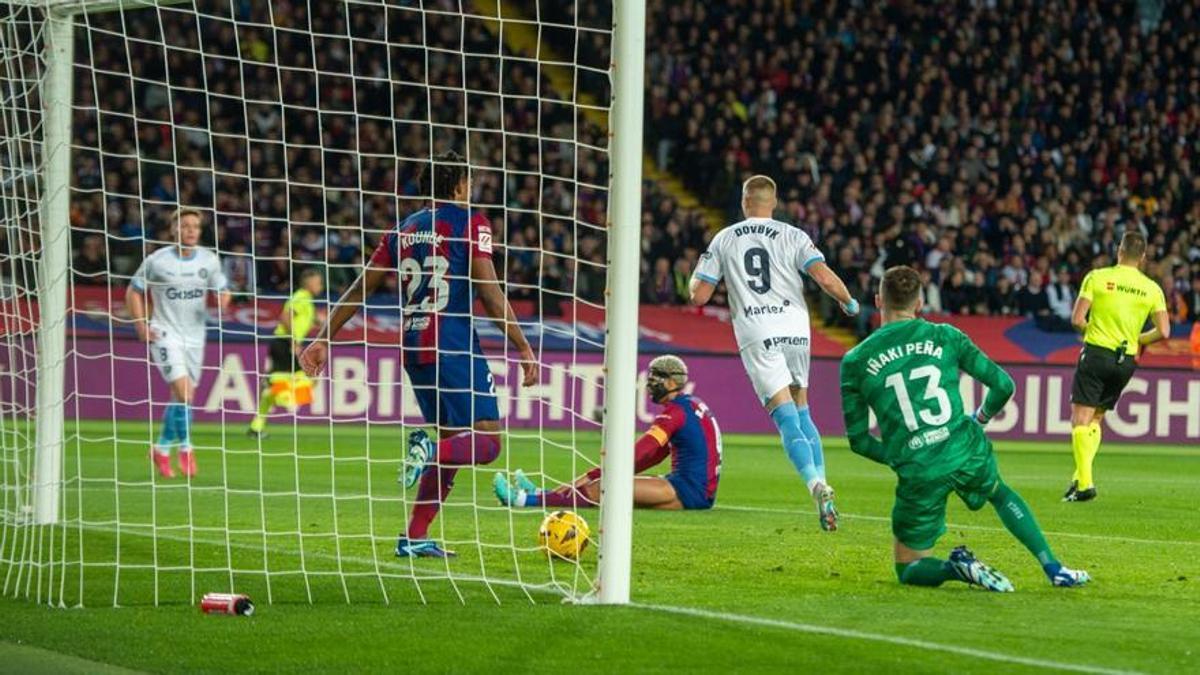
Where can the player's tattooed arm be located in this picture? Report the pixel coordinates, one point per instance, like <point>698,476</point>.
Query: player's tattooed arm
<point>487,285</point>
<point>833,286</point>
<point>707,275</point>
<point>700,291</point>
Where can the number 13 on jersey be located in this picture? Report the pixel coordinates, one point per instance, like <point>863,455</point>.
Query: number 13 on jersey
<point>934,407</point>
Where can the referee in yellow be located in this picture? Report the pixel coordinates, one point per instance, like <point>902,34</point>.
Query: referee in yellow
<point>288,385</point>
<point>1113,307</point>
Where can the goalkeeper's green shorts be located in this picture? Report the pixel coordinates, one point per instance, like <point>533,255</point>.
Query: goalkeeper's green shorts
<point>919,514</point>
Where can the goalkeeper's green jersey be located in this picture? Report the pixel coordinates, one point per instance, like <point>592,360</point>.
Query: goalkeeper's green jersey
<point>907,372</point>
<point>303,312</point>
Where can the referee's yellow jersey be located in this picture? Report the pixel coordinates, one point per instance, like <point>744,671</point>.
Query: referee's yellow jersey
<point>303,313</point>
<point>1122,299</point>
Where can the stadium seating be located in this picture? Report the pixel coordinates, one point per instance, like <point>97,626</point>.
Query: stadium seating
<point>979,141</point>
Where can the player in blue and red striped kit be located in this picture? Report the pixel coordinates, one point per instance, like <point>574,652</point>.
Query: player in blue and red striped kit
<point>443,256</point>
<point>685,430</point>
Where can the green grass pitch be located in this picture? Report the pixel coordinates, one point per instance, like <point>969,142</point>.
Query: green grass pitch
<point>751,586</point>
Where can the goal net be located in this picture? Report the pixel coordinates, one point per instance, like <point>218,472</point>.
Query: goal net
<point>302,133</point>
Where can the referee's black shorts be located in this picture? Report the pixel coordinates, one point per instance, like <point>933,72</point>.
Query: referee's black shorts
<point>1100,376</point>
<point>283,359</point>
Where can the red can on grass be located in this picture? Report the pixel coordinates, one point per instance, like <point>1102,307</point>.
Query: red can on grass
<point>227,603</point>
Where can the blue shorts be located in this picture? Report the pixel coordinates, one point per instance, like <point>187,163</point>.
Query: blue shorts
<point>691,494</point>
<point>455,392</point>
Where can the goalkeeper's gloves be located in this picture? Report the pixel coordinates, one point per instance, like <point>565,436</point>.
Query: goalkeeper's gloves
<point>850,307</point>
<point>981,417</point>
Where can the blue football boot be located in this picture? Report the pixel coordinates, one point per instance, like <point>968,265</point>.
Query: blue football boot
<point>421,548</point>
<point>974,571</point>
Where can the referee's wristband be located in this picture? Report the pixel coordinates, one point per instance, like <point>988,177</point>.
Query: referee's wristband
<point>851,307</point>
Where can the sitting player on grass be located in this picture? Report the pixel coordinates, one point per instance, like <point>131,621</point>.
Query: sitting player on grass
<point>685,430</point>
<point>907,372</point>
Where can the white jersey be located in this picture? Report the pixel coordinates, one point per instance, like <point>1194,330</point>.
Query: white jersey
<point>762,261</point>
<point>178,288</point>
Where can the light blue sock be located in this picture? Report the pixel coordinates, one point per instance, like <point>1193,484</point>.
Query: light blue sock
<point>787,419</point>
<point>168,434</point>
<point>183,424</point>
<point>814,439</point>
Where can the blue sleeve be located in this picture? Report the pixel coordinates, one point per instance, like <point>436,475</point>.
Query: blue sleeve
<point>708,268</point>
<point>811,261</point>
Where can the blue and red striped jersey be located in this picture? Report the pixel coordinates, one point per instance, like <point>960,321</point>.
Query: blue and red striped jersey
<point>431,250</point>
<point>694,441</point>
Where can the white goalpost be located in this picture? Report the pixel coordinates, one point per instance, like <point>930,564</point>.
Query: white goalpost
<point>54,268</point>
<point>629,53</point>
<point>303,131</point>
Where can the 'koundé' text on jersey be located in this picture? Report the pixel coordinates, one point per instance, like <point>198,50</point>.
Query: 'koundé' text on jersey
<point>432,250</point>
<point>761,261</point>
<point>178,287</point>
<point>907,373</point>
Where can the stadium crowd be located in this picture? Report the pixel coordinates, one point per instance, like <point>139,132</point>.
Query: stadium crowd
<point>305,148</point>
<point>1001,147</point>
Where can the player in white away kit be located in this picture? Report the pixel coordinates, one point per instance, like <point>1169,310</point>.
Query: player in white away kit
<point>762,261</point>
<point>178,279</point>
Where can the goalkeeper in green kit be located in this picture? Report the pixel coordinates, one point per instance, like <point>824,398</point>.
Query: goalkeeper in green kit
<point>907,372</point>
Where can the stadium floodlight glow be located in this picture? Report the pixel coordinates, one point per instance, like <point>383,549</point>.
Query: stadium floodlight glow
<point>115,112</point>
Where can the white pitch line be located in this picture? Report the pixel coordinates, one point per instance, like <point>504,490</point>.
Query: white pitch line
<point>816,629</point>
<point>685,611</point>
<point>983,528</point>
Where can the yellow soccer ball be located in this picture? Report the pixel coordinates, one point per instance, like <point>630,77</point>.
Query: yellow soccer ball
<point>564,534</point>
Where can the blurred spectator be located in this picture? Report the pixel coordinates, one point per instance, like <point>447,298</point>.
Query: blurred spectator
<point>682,276</point>
<point>1002,299</point>
<point>956,294</point>
<point>862,287</point>
<point>1062,300</point>
<point>932,294</point>
<point>1193,300</point>
<point>1033,302</point>
<point>239,269</point>
<point>90,265</point>
<point>659,289</point>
